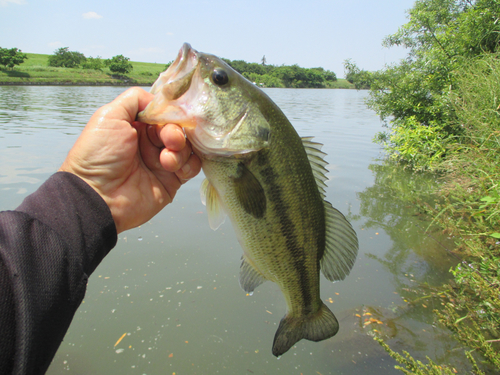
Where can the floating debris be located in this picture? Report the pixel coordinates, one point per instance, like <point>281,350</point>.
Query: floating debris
<point>120,339</point>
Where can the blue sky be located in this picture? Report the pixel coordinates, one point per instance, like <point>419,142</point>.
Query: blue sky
<point>308,33</point>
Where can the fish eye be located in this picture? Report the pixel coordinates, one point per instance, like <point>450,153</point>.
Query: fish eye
<point>220,77</point>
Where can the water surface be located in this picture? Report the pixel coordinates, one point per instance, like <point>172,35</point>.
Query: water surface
<point>171,286</point>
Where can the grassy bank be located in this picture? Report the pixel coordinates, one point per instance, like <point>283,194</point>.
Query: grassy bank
<point>35,71</point>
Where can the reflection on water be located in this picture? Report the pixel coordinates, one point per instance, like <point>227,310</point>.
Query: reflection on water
<point>417,261</point>
<point>170,291</point>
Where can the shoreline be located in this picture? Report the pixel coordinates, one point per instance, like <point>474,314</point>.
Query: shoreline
<point>74,84</point>
<point>131,84</point>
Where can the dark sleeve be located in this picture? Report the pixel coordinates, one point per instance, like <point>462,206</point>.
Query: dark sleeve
<point>48,247</point>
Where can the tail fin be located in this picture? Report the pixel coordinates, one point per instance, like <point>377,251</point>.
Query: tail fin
<point>316,326</point>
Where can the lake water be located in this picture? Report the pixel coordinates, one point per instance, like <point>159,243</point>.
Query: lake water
<point>171,286</point>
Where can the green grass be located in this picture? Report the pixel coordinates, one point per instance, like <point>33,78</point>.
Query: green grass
<point>35,70</point>
<point>341,83</point>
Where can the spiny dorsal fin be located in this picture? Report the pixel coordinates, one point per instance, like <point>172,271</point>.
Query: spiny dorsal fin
<point>250,278</point>
<point>341,246</point>
<point>318,164</point>
<point>210,198</point>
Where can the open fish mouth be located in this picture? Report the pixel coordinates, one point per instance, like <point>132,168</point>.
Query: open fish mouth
<point>175,81</point>
<point>170,86</point>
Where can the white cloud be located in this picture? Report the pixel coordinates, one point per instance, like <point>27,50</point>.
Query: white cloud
<point>4,3</point>
<point>55,44</point>
<point>90,15</point>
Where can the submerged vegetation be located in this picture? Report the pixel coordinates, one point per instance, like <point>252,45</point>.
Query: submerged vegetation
<point>441,106</point>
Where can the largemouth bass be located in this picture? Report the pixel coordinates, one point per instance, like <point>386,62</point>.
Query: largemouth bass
<point>268,180</point>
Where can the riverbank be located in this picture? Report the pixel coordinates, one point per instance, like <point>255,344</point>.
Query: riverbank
<point>35,71</point>
<point>467,209</point>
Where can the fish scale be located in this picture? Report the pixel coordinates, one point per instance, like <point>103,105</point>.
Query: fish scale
<point>269,181</point>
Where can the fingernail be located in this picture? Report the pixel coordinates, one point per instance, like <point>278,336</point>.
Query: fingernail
<point>186,168</point>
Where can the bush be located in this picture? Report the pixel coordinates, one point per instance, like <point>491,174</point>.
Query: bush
<point>95,63</point>
<point>63,57</point>
<point>120,64</point>
<point>419,146</point>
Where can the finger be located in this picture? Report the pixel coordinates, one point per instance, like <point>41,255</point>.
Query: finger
<point>172,136</point>
<point>172,161</point>
<point>190,169</point>
<point>128,104</point>
<point>150,154</point>
<point>153,135</point>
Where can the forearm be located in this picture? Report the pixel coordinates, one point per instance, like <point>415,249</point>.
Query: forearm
<point>48,247</point>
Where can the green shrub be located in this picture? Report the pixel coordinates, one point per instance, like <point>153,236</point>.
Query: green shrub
<point>63,57</point>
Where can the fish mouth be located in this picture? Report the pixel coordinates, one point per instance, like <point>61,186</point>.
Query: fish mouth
<point>171,85</point>
<point>175,81</point>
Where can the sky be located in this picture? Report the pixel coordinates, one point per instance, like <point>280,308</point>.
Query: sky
<point>310,33</point>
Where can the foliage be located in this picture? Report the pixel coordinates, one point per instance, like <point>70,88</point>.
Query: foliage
<point>442,107</point>
<point>292,76</point>
<point>441,36</point>
<point>411,366</point>
<point>11,57</point>
<point>416,145</point>
<point>95,63</point>
<point>361,79</point>
<point>63,57</point>
<point>120,64</point>
<point>469,208</point>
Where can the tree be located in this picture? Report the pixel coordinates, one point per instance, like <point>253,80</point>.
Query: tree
<point>120,64</point>
<point>263,60</point>
<point>361,79</point>
<point>63,57</point>
<point>11,57</point>
<point>441,36</point>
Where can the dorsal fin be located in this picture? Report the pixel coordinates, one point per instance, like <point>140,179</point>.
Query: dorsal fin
<point>341,247</point>
<point>317,160</point>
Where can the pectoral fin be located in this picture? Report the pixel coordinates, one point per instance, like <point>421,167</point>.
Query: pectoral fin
<point>249,192</point>
<point>210,198</point>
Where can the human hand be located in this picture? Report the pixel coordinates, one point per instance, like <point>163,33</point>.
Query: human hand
<point>136,168</point>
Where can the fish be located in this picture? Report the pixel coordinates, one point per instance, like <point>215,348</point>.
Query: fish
<point>268,180</point>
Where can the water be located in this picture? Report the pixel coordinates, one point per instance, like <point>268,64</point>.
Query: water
<point>169,290</point>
